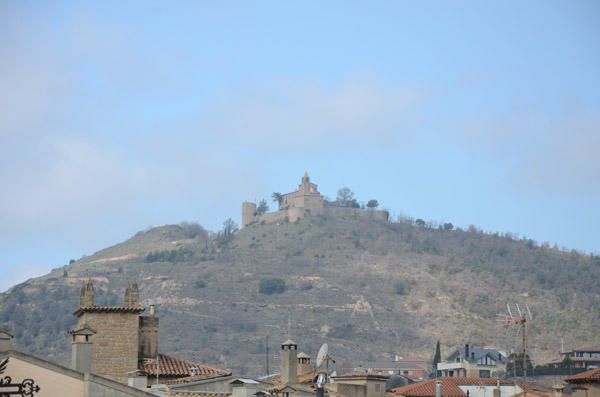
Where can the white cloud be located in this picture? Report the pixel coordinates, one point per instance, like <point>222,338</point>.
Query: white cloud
<point>310,115</point>
<point>539,153</point>
<point>566,158</point>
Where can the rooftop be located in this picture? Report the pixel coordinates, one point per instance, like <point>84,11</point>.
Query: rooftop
<point>172,366</point>
<point>591,376</point>
<point>450,387</point>
<point>108,309</point>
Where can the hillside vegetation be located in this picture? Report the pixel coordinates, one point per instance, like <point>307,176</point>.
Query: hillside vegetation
<point>370,289</point>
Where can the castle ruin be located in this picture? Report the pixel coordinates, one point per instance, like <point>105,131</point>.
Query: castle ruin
<point>305,201</point>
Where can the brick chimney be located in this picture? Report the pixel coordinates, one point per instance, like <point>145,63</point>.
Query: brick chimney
<point>303,363</point>
<point>81,349</point>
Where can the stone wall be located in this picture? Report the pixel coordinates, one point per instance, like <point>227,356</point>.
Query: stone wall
<point>115,345</point>
<point>294,213</point>
<point>357,212</point>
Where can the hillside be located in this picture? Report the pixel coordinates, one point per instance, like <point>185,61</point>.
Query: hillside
<point>368,288</point>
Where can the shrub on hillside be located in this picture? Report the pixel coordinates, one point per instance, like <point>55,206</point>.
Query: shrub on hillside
<point>400,288</point>
<point>200,284</point>
<point>269,286</point>
<point>193,230</point>
<point>179,255</point>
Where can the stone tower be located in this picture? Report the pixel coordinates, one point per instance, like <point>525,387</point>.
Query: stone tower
<point>306,182</point>
<point>86,296</point>
<point>289,362</point>
<point>114,352</point>
<point>248,213</point>
<point>132,295</point>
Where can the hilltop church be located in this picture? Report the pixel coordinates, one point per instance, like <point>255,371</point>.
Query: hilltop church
<point>306,201</point>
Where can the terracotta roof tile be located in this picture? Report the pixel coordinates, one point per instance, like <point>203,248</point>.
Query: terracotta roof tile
<point>196,394</point>
<point>108,309</point>
<point>591,376</point>
<point>478,381</point>
<point>450,387</point>
<point>172,366</point>
<point>304,378</point>
<point>362,374</point>
<point>427,389</point>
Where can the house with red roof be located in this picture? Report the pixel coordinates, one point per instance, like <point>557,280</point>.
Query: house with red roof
<point>459,387</point>
<point>585,384</point>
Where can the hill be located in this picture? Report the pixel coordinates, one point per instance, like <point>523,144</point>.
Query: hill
<point>371,289</point>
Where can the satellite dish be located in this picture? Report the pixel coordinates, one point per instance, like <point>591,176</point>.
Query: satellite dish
<point>322,354</point>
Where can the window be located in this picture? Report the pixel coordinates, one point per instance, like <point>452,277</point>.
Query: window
<point>377,387</point>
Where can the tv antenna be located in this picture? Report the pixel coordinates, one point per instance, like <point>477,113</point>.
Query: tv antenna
<point>518,318</point>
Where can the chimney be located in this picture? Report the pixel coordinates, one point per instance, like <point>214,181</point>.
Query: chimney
<point>148,336</point>
<point>81,349</point>
<point>558,390</point>
<point>438,388</point>
<point>497,391</point>
<point>137,379</point>
<point>303,363</point>
<point>289,362</point>
<point>5,340</point>
<point>466,352</point>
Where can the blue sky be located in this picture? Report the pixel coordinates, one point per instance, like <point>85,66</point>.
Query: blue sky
<point>116,116</point>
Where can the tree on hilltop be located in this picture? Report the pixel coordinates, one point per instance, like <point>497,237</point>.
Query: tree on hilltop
<point>345,197</point>
<point>262,207</point>
<point>229,227</point>
<point>277,197</point>
<point>372,204</point>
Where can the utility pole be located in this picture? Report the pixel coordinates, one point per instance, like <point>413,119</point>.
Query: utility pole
<point>267,351</point>
<point>524,354</point>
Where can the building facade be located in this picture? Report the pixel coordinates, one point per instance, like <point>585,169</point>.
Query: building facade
<point>473,362</point>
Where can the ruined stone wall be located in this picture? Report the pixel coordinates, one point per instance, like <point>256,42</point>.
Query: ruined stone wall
<point>115,345</point>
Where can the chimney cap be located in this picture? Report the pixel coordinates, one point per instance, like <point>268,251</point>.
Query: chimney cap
<point>84,330</point>
<point>289,342</point>
<point>302,355</point>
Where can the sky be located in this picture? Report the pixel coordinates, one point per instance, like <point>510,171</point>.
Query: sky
<point>117,116</point>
